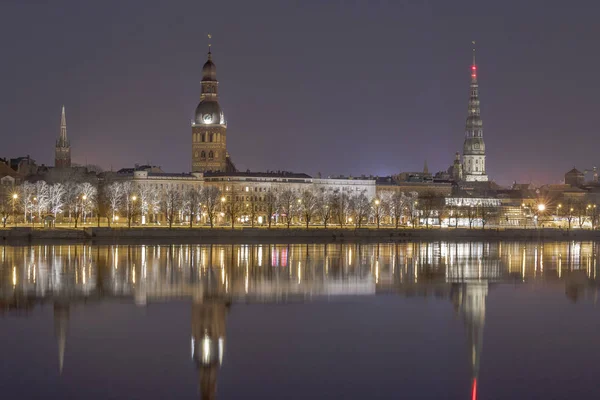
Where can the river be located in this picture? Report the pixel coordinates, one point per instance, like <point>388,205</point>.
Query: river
<point>421,320</point>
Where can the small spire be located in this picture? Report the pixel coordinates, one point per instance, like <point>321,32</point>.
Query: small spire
<point>474,65</point>
<point>209,53</point>
<point>425,168</point>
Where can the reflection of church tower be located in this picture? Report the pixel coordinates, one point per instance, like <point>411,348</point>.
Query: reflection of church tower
<point>208,343</point>
<point>61,325</point>
<point>470,298</point>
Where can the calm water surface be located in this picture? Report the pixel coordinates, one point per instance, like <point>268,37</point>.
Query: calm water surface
<point>431,320</point>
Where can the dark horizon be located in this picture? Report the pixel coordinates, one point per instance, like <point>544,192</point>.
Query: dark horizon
<point>337,87</point>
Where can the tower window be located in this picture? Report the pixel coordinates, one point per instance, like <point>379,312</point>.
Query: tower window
<point>210,137</point>
<point>203,137</point>
<point>211,155</point>
<point>203,155</point>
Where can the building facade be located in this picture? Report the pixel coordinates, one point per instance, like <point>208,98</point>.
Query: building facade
<point>62,151</point>
<point>474,148</point>
<point>209,129</point>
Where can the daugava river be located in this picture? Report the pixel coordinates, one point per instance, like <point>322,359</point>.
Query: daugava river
<point>422,320</point>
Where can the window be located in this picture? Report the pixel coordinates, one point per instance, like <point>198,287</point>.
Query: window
<point>210,137</point>
<point>203,155</point>
<point>203,137</point>
<point>211,155</point>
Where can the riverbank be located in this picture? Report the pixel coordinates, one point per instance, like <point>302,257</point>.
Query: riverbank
<point>205,235</point>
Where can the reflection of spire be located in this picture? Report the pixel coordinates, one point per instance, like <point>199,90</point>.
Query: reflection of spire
<point>471,300</point>
<point>61,325</point>
<point>208,343</point>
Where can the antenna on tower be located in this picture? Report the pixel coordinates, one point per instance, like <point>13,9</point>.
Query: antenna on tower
<point>473,42</point>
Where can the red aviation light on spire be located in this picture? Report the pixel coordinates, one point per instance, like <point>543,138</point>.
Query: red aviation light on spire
<point>474,390</point>
<point>473,71</point>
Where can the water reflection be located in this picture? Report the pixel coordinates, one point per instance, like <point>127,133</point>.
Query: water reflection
<point>217,276</point>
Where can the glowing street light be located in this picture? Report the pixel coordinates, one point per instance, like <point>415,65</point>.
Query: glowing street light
<point>223,199</point>
<point>541,207</point>
<point>14,199</point>
<point>377,201</point>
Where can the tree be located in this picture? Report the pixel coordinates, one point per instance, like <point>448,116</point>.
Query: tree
<point>396,201</point>
<point>308,205</point>
<point>144,193</point>
<point>40,198</point>
<point>25,198</point>
<point>170,203</point>
<point>412,202</point>
<point>488,213</point>
<point>379,208</point>
<point>359,207</point>
<point>5,208</point>
<point>130,198</point>
<point>340,206</point>
<point>56,194</point>
<point>271,202</point>
<point>72,192</point>
<point>471,214</point>
<point>192,200</point>
<point>89,196</point>
<point>114,194</point>
<point>251,209</point>
<point>210,197</point>
<point>287,200</point>
<point>233,206</point>
<point>323,207</point>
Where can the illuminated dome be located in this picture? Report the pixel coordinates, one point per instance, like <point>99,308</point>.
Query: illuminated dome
<point>209,112</point>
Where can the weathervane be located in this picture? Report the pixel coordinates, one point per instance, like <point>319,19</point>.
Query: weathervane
<point>209,37</point>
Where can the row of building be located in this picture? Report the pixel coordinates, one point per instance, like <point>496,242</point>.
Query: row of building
<point>464,182</point>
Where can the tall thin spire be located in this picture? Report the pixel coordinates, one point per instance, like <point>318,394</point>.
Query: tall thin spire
<point>63,126</point>
<point>474,65</point>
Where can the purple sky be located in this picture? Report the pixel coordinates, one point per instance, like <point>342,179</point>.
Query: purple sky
<point>336,86</point>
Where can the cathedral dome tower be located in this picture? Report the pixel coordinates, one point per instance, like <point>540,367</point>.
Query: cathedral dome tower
<point>474,147</point>
<point>209,128</point>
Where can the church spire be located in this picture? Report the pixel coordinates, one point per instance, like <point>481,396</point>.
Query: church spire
<point>62,151</point>
<point>63,126</point>
<point>474,146</point>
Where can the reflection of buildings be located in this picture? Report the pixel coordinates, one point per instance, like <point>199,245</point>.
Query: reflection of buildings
<point>208,343</point>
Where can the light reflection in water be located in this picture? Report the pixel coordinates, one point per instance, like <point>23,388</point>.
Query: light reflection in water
<point>215,276</point>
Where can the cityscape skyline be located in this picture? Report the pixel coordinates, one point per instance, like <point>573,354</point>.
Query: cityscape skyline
<point>120,135</point>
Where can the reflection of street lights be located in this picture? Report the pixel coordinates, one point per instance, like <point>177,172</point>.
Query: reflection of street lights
<point>14,199</point>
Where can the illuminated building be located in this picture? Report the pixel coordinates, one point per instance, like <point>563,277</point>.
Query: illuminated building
<point>474,148</point>
<point>209,128</point>
<point>62,151</point>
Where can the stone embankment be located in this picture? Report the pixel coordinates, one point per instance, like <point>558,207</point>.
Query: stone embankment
<point>204,235</point>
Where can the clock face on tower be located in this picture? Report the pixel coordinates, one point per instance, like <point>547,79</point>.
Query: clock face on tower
<point>207,118</point>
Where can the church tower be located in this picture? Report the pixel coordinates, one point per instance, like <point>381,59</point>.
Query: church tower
<point>209,146</point>
<point>474,148</point>
<point>62,151</point>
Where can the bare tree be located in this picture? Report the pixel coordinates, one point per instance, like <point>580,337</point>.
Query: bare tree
<point>40,198</point>
<point>210,197</point>
<point>379,207</point>
<point>323,207</point>
<point>251,208</point>
<point>271,202</point>
<point>192,200</point>
<point>72,197</point>
<point>114,194</point>
<point>359,208</point>
<point>131,201</point>
<point>308,205</point>
<point>56,196</point>
<point>287,202</point>
<point>340,206</point>
<point>170,203</point>
<point>233,205</point>
<point>411,206</point>
<point>5,208</point>
<point>89,196</point>
<point>144,193</point>
<point>25,198</point>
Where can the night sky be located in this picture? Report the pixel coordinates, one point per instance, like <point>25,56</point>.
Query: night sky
<point>332,86</point>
